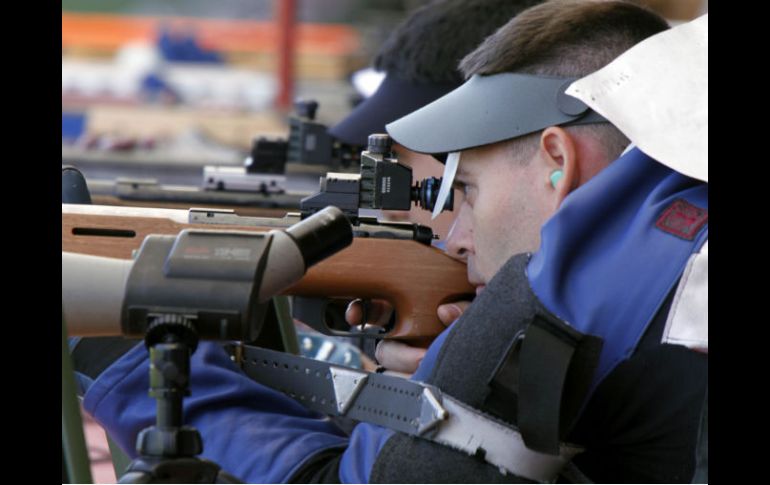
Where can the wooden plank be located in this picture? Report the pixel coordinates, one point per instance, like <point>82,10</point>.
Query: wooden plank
<point>110,32</point>
<point>233,129</point>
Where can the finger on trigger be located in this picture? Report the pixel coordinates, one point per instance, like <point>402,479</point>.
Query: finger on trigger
<point>354,314</point>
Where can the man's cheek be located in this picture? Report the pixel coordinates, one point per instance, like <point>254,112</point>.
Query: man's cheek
<point>396,215</point>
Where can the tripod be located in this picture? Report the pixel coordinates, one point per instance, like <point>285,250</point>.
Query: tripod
<point>167,451</point>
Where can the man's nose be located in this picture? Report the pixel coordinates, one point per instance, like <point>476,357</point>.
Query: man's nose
<point>459,242</point>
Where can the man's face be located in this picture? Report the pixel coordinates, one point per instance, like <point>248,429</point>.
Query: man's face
<point>506,202</point>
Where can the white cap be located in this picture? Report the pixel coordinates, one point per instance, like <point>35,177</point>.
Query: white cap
<point>656,93</point>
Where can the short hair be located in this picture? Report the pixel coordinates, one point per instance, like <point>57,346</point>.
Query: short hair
<point>428,46</point>
<point>568,38</point>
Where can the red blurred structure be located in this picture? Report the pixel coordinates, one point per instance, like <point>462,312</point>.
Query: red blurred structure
<point>286,19</point>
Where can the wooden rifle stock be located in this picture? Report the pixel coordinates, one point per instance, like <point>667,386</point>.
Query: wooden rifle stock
<point>414,277</point>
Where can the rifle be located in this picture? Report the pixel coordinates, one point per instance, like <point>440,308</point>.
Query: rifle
<point>276,174</point>
<point>384,261</point>
<point>139,192</point>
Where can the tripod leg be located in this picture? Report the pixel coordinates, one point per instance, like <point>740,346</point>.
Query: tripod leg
<point>74,450</point>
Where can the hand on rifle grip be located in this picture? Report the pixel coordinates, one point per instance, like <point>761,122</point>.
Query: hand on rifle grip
<point>392,354</point>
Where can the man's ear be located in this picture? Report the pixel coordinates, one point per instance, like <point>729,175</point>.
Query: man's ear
<point>559,153</point>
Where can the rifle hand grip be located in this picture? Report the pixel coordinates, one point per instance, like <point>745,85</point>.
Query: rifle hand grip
<point>413,277</point>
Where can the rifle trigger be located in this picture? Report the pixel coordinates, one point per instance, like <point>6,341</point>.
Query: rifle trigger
<point>365,309</point>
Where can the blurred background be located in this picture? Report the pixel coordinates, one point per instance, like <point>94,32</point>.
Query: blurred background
<point>155,90</point>
<point>192,83</point>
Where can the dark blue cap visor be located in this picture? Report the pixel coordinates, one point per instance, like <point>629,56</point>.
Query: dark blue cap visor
<point>393,99</point>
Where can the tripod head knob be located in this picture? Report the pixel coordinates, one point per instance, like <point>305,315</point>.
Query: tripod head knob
<point>184,441</point>
<point>179,470</point>
<point>169,327</point>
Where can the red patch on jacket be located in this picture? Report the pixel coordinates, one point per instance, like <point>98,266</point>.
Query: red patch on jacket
<point>682,219</point>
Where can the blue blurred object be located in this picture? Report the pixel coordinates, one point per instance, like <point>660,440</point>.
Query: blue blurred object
<point>72,125</point>
<point>155,88</point>
<point>183,47</point>
<point>74,189</point>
